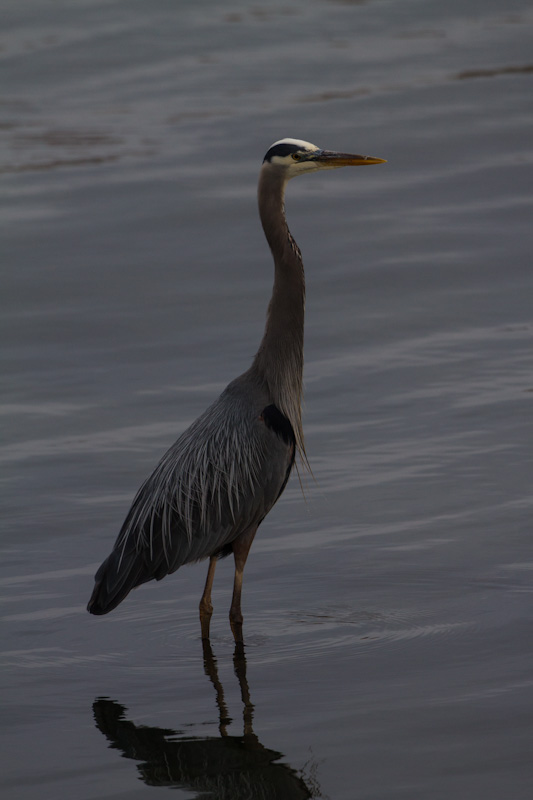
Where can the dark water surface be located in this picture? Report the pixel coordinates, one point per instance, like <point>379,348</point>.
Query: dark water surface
<point>388,615</point>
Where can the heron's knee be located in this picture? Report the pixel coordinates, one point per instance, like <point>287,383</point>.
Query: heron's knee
<point>206,608</point>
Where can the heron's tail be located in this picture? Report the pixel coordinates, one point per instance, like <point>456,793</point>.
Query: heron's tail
<point>119,574</point>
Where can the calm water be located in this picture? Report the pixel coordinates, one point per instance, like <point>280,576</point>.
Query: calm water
<point>388,614</point>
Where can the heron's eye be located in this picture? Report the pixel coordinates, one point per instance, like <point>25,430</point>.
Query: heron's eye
<point>296,156</point>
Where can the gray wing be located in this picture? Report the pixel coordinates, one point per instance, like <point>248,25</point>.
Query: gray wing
<point>222,476</point>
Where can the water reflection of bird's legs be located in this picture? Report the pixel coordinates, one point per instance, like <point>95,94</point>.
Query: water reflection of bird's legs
<point>210,669</point>
<point>239,666</point>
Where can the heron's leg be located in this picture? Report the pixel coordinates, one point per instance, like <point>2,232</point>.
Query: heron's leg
<point>206,606</point>
<point>241,548</point>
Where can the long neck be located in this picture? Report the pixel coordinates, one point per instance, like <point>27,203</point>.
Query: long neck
<point>279,360</point>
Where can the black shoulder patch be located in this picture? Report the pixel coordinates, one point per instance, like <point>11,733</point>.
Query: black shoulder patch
<point>277,422</point>
<point>281,150</point>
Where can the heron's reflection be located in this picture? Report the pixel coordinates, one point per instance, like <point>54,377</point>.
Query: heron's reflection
<point>220,767</point>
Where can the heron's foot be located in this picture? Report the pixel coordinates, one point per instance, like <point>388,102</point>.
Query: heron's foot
<point>206,612</point>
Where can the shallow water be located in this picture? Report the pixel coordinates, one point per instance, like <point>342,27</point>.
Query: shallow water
<point>388,613</point>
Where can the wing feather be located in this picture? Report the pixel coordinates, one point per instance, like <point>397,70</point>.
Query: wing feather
<point>220,477</point>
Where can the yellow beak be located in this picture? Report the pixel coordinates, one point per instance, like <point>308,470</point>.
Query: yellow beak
<point>331,159</point>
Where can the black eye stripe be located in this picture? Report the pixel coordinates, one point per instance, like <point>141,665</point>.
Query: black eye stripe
<point>281,150</point>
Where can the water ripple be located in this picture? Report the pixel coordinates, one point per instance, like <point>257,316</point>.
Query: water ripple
<point>343,627</point>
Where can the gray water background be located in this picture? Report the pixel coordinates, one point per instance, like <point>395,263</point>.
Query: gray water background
<point>388,614</point>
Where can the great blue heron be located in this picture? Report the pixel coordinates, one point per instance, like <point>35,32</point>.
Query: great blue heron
<point>213,488</point>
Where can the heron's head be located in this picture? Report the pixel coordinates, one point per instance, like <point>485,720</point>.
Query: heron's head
<point>296,157</point>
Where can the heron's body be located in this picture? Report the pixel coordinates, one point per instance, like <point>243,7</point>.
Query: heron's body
<point>224,489</point>
<point>215,485</point>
